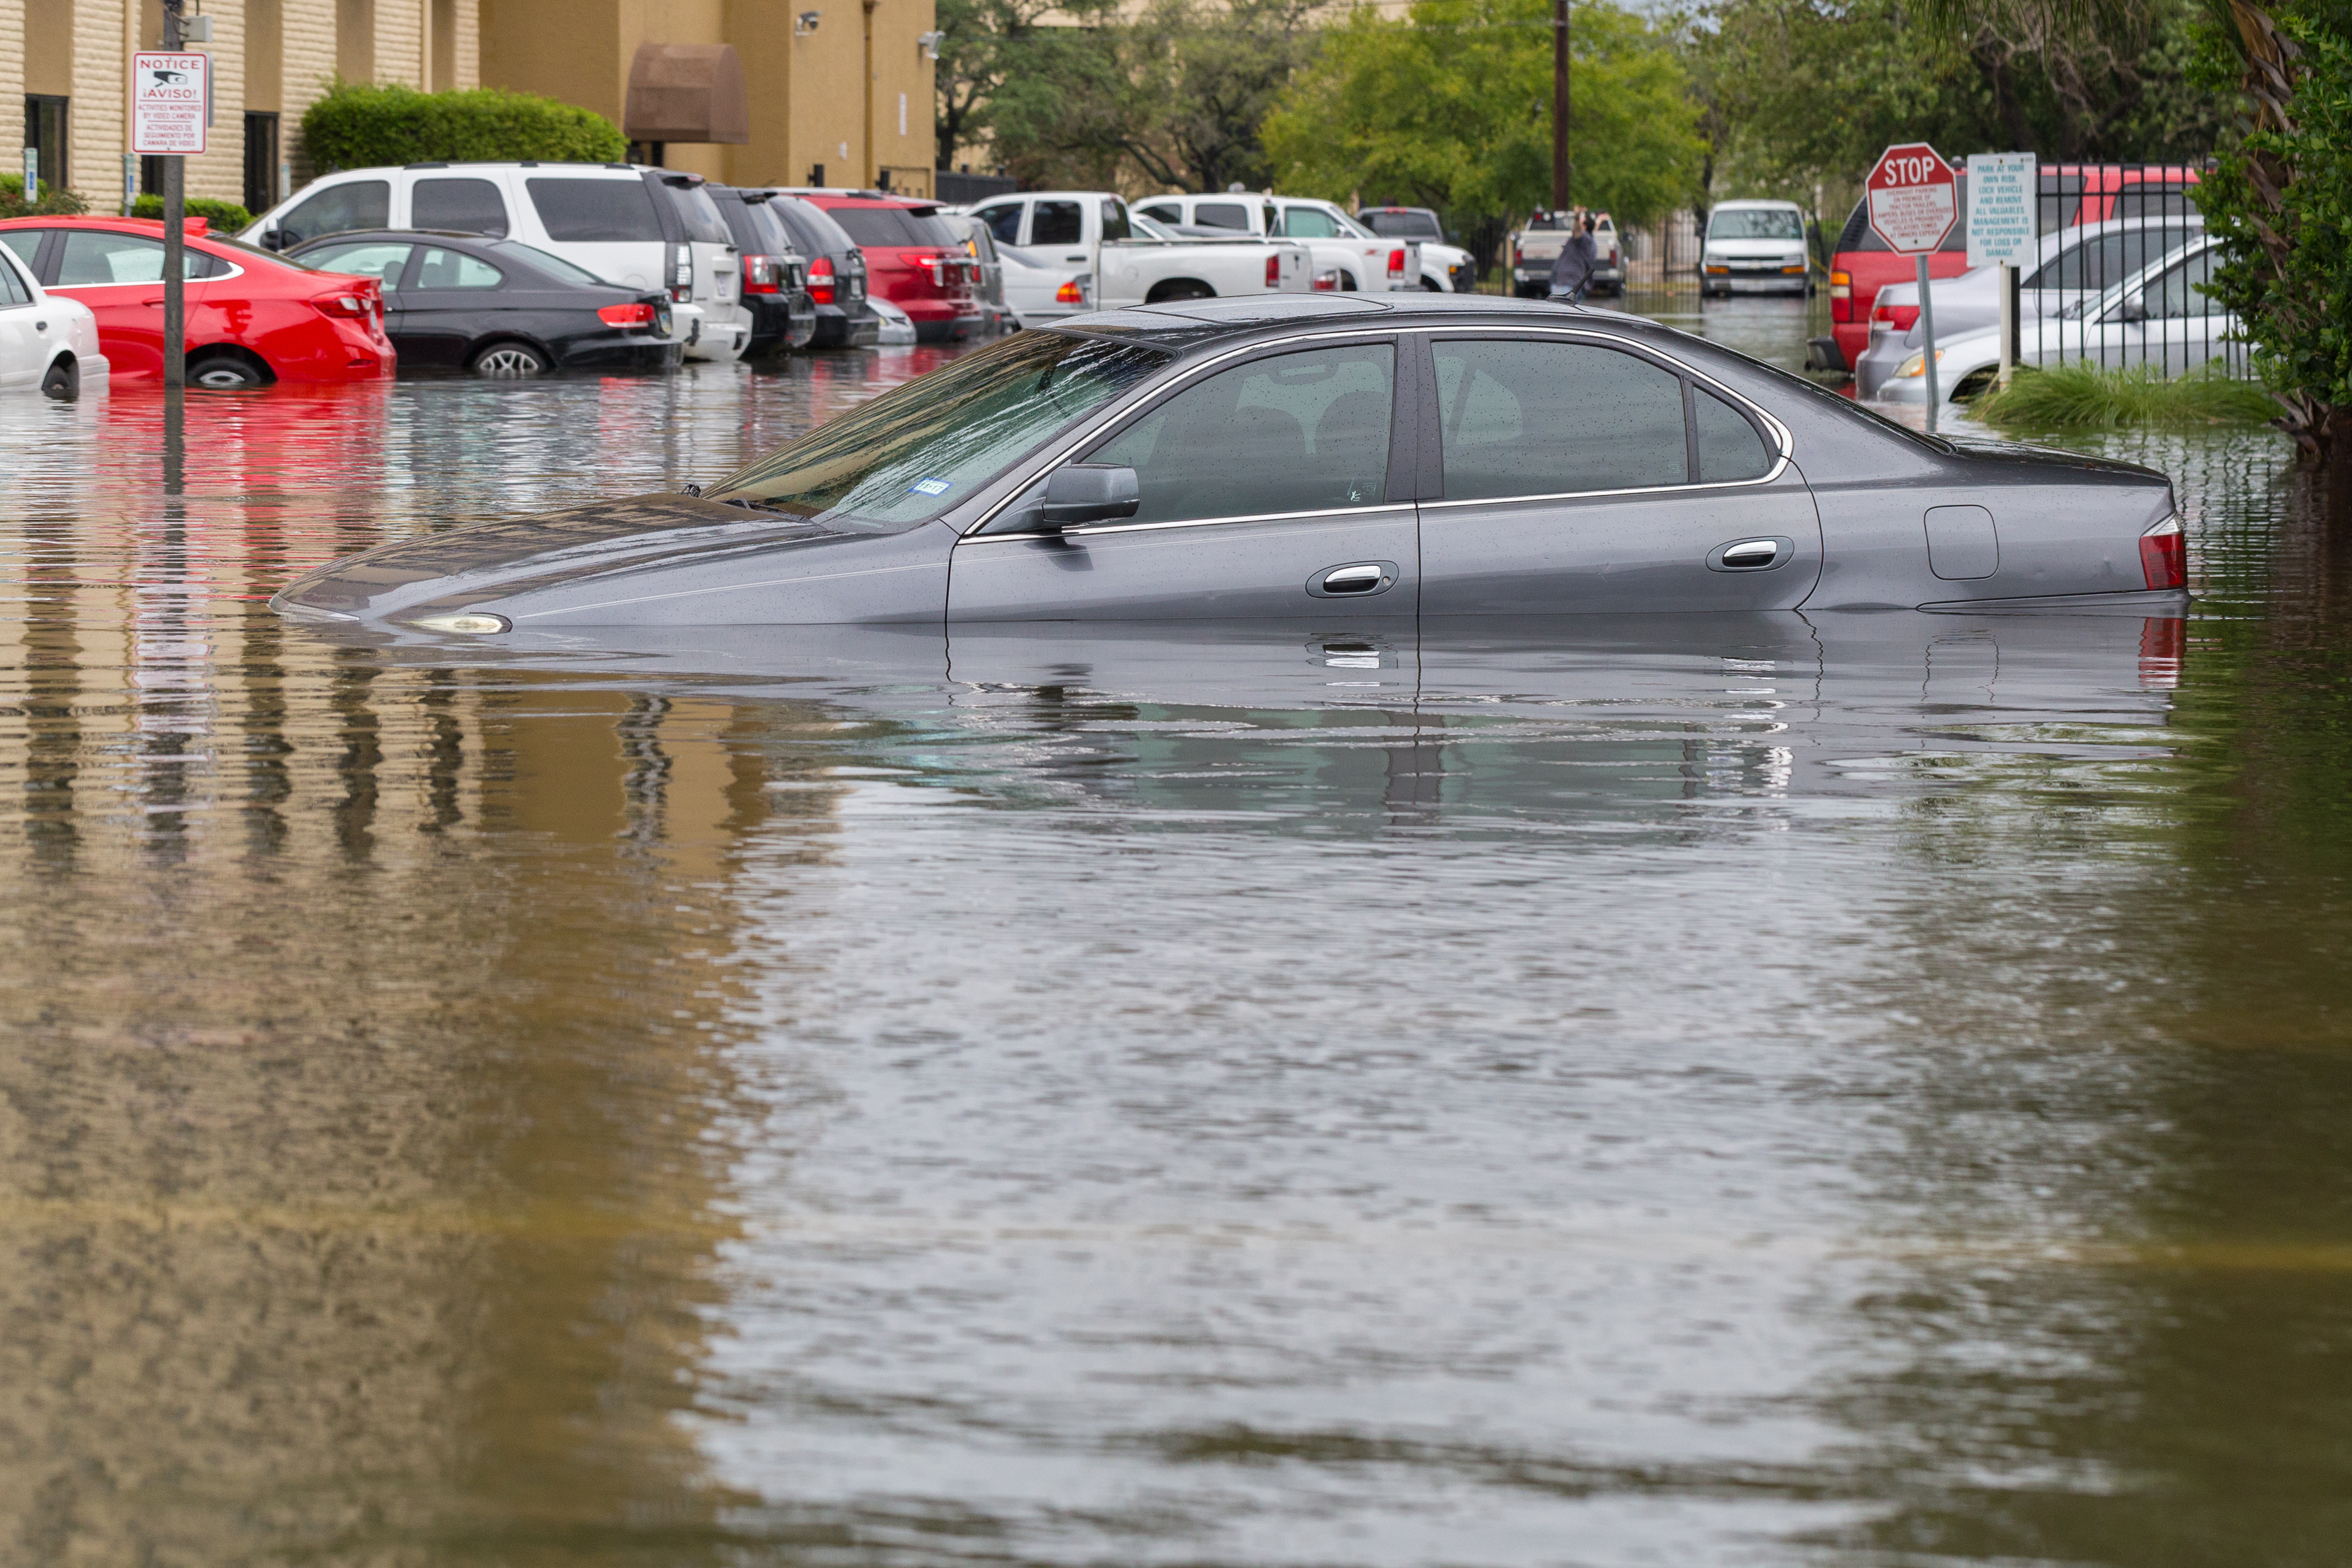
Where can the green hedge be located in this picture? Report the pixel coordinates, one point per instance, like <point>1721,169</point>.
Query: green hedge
<point>53,200</point>
<point>224,217</point>
<point>357,127</point>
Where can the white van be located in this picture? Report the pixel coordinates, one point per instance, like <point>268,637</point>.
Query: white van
<point>1755,247</point>
<point>634,226</point>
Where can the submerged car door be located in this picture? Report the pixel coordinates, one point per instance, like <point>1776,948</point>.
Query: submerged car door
<point>1265,483</point>
<point>120,277</point>
<point>450,301</point>
<point>21,347</point>
<point>1578,472</point>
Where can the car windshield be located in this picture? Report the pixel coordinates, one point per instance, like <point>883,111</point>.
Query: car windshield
<point>918,450</point>
<point>1402,225</point>
<point>1756,223</point>
<point>555,266</point>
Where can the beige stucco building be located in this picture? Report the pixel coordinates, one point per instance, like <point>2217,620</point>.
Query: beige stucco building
<point>836,89</point>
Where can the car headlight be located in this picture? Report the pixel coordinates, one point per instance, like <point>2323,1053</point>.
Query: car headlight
<point>1916,364</point>
<point>475,623</point>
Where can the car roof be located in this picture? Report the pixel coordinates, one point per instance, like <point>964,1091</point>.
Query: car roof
<point>1756,202</point>
<point>1190,325</point>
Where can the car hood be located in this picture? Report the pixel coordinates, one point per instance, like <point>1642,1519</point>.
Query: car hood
<point>492,559</point>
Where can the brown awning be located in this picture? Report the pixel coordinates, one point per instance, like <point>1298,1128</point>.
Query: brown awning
<point>686,92</point>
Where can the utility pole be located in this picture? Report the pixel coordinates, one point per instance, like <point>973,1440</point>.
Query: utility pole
<point>175,236</point>
<point>1559,105</point>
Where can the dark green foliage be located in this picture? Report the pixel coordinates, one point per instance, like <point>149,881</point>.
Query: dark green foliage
<point>224,217</point>
<point>358,127</point>
<point>2080,396</point>
<point>53,199</point>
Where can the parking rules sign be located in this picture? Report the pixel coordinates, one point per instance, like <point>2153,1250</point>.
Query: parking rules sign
<point>1912,202</point>
<point>167,103</point>
<point>2002,209</point>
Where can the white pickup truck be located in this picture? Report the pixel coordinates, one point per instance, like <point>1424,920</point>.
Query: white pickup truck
<point>1348,255</point>
<point>1066,252</point>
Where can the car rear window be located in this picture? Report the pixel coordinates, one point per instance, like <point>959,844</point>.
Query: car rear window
<point>460,207</point>
<point>595,210</point>
<point>1401,224</point>
<point>1221,215</point>
<point>700,213</point>
<point>812,226</point>
<point>893,225</point>
<point>767,230</point>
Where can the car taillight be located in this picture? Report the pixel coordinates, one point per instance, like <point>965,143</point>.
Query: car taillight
<point>762,275</point>
<point>1518,256</point>
<point>1902,318</point>
<point>1274,271</point>
<point>1326,281</point>
<point>357,307</point>
<point>1396,263</point>
<point>681,277</point>
<point>1841,296</point>
<point>2164,555</point>
<point>1071,293</point>
<point>637,315</point>
<point>820,282</point>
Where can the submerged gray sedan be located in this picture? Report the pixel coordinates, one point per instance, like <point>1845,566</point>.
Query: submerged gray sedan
<point>1310,457</point>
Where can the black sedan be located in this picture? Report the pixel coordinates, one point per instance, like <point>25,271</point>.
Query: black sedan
<point>497,307</point>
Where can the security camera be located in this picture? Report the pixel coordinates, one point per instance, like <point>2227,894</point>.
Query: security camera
<point>930,44</point>
<point>805,23</point>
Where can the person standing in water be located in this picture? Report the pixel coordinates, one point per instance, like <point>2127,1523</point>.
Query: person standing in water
<point>1573,270</point>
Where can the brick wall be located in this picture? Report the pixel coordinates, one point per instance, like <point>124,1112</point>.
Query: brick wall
<point>12,49</point>
<point>309,68</point>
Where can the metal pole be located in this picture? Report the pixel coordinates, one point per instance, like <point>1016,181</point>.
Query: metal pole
<point>1928,327</point>
<point>175,246</point>
<point>2008,322</point>
<point>1559,106</point>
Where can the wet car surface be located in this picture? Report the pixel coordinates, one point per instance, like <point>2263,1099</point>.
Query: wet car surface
<point>1786,1088</point>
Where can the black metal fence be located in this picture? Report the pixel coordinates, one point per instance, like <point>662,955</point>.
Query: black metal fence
<point>963,190</point>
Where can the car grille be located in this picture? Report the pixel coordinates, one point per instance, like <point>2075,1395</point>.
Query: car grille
<point>1462,276</point>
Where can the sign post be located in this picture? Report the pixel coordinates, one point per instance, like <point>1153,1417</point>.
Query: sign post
<point>2004,231</point>
<point>1913,203</point>
<point>169,90</point>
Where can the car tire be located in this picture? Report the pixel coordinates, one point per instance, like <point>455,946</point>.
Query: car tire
<point>62,380</point>
<point>224,372</point>
<point>507,360</point>
<point>1430,286</point>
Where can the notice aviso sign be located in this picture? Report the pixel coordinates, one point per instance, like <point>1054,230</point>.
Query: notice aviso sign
<point>1913,203</point>
<point>167,103</point>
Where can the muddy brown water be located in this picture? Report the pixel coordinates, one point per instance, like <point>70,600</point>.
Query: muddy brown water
<point>1875,1090</point>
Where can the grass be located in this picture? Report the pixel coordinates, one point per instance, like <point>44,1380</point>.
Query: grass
<point>2083,396</point>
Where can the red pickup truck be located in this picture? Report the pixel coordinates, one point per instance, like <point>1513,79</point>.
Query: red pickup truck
<point>2071,193</point>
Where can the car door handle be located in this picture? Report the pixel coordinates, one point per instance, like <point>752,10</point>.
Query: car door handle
<point>1356,579</point>
<point>1751,555</point>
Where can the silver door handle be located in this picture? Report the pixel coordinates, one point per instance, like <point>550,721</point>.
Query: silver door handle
<point>1353,580</point>
<point>1356,579</point>
<point>1751,555</point>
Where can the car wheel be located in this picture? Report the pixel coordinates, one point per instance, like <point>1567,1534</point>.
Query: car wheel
<point>510,360</point>
<point>224,372</point>
<point>63,380</point>
<point>1168,293</point>
<point>1430,285</point>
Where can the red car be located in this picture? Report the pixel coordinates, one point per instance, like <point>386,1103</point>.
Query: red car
<point>2071,193</point>
<point>253,318</point>
<point>913,259</point>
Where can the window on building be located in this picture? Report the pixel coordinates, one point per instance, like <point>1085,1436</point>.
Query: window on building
<point>44,129</point>
<point>260,162</point>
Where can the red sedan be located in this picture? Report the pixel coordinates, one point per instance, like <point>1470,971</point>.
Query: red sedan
<point>253,318</point>
<point>913,259</point>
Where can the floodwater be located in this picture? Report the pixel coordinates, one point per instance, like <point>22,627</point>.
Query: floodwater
<point>1867,1089</point>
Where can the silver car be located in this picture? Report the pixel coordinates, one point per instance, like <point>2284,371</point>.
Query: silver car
<point>1332,460</point>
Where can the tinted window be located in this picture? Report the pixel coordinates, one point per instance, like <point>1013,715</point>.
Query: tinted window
<point>466,206</point>
<point>595,210</point>
<point>919,448</point>
<point>766,230</point>
<point>2174,293</point>
<point>355,204</point>
<point>1756,223</point>
<point>1166,212</point>
<point>94,257</point>
<point>812,228</point>
<point>12,287</point>
<point>1113,220</point>
<point>1004,221</point>
<point>1522,418</point>
<point>893,225</point>
<point>1308,223</point>
<point>1221,215</point>
<point>700,213</point>
<point>553,266</point>
<point>1057,223</point>
<point>1728,447</point>
<point>370,258</point>
<point>1299,432</point>
<point>456,270</point>
<point>1402,225</point>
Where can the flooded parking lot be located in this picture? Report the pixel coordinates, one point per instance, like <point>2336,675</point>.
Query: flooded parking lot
<point>1857,1088</point>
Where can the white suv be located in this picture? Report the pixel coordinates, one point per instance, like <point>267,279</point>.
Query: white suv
<point>638,227</point>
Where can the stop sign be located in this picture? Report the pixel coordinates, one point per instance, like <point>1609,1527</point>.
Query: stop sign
<point>1913,203</point>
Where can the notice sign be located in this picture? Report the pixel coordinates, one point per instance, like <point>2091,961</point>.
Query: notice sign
<point>168,93</point>
<point>2003,187</point>
<point>1912,202</point>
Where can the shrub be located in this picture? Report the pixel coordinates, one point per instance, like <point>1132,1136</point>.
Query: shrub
<point>359,127</point>
<point>53,200</point>
<point>2081,395</point>
<point>224,217</point>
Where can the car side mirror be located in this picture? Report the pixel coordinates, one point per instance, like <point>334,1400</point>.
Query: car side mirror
<point>1079,493</point>
<point>273,239</point>
<point>2133,308</point>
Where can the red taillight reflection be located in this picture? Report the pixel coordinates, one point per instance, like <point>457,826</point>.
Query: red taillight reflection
<point>2162,642</point>
<point>637,315</point>
<point>2164,555</point>
<point>820,280</point>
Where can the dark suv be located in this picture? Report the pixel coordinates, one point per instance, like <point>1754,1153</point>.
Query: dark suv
<point>836,271</point>
<point>775,274</point>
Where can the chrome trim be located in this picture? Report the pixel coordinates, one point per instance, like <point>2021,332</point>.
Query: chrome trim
<point>1781,433</point>
<point>1090,531</point>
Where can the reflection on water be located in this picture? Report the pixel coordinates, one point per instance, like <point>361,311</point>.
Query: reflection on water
<point>1772,1089</point>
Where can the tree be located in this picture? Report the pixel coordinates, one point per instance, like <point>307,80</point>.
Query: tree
<point>1450,107</point>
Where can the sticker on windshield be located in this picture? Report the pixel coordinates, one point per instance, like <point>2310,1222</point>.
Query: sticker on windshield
<point>932,487</point>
